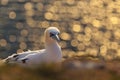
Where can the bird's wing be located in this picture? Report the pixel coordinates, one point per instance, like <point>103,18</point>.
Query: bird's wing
<point>32,59</point>
<point>14,57</point>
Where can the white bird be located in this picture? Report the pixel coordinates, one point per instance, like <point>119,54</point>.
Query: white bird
<point>51,54</point>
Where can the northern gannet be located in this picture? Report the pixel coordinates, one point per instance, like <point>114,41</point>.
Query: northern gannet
<point>51,54</point>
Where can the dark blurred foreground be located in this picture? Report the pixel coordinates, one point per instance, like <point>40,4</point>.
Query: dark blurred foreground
<point>79,70</point>
<point>88,27</point>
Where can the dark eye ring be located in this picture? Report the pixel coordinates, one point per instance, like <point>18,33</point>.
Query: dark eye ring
<point>51,34</point>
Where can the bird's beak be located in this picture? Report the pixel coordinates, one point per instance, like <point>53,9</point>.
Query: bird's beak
<point>56,37</point>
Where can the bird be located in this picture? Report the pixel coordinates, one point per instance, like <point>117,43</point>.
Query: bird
<point>51,54</point>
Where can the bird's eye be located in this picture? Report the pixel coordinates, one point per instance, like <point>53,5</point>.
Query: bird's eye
<point>51,34</point>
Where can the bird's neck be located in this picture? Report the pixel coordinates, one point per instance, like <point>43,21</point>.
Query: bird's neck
<point>51,44</point>
<point>53,49</point>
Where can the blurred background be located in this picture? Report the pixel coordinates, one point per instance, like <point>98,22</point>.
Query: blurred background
<point>88,27</point>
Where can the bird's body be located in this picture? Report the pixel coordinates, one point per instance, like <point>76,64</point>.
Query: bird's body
<point>51,54</point>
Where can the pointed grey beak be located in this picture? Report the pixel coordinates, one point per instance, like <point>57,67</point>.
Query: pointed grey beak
<point>56,37</point>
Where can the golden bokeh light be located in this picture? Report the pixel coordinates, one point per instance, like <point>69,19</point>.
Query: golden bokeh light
<point>92,51</point>
<point>81,53</point>
<point>56,17</point>
<point>107,34</point>
<point>28,6</point>
<point>109,26</point>
<point>87,37</point>
<point>87,30</point>
<point>48,15</point>
<point>4,2</point>
<point>70,2</point>
<point>3,42</point>
<point>118,53</point>
<point>23,45</point>
<point>30,13</point>
<point>81,4</point>
<point>97,35</point>
<point>55,24</point>
<point>96,3</point>
<point>12,38</point>
<point>81,46</point>
<point>114,20</point>
<point>80,37</point>
<point>12,15</point>
<point>96,23</point>
<point>117,33</point>
<point>76,28</point>
<point>103,50</point>
<point>19,51</point>
<point>31,22</point>
<point>65,36</point>
<point>74,43</point>
<point>24,32</point>
<point>39,6</point>
<point>63,44</point>
<point>53,9</point>
<point>86,19</point>
<point>44,24</point>
<point>114,45</point>
<point>87,43</point>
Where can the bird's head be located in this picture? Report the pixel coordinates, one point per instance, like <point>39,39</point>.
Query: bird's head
<point>51,34</point>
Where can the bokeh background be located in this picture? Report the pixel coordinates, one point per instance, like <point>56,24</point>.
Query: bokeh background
<point>88,27</point>
<point>90,38</point>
